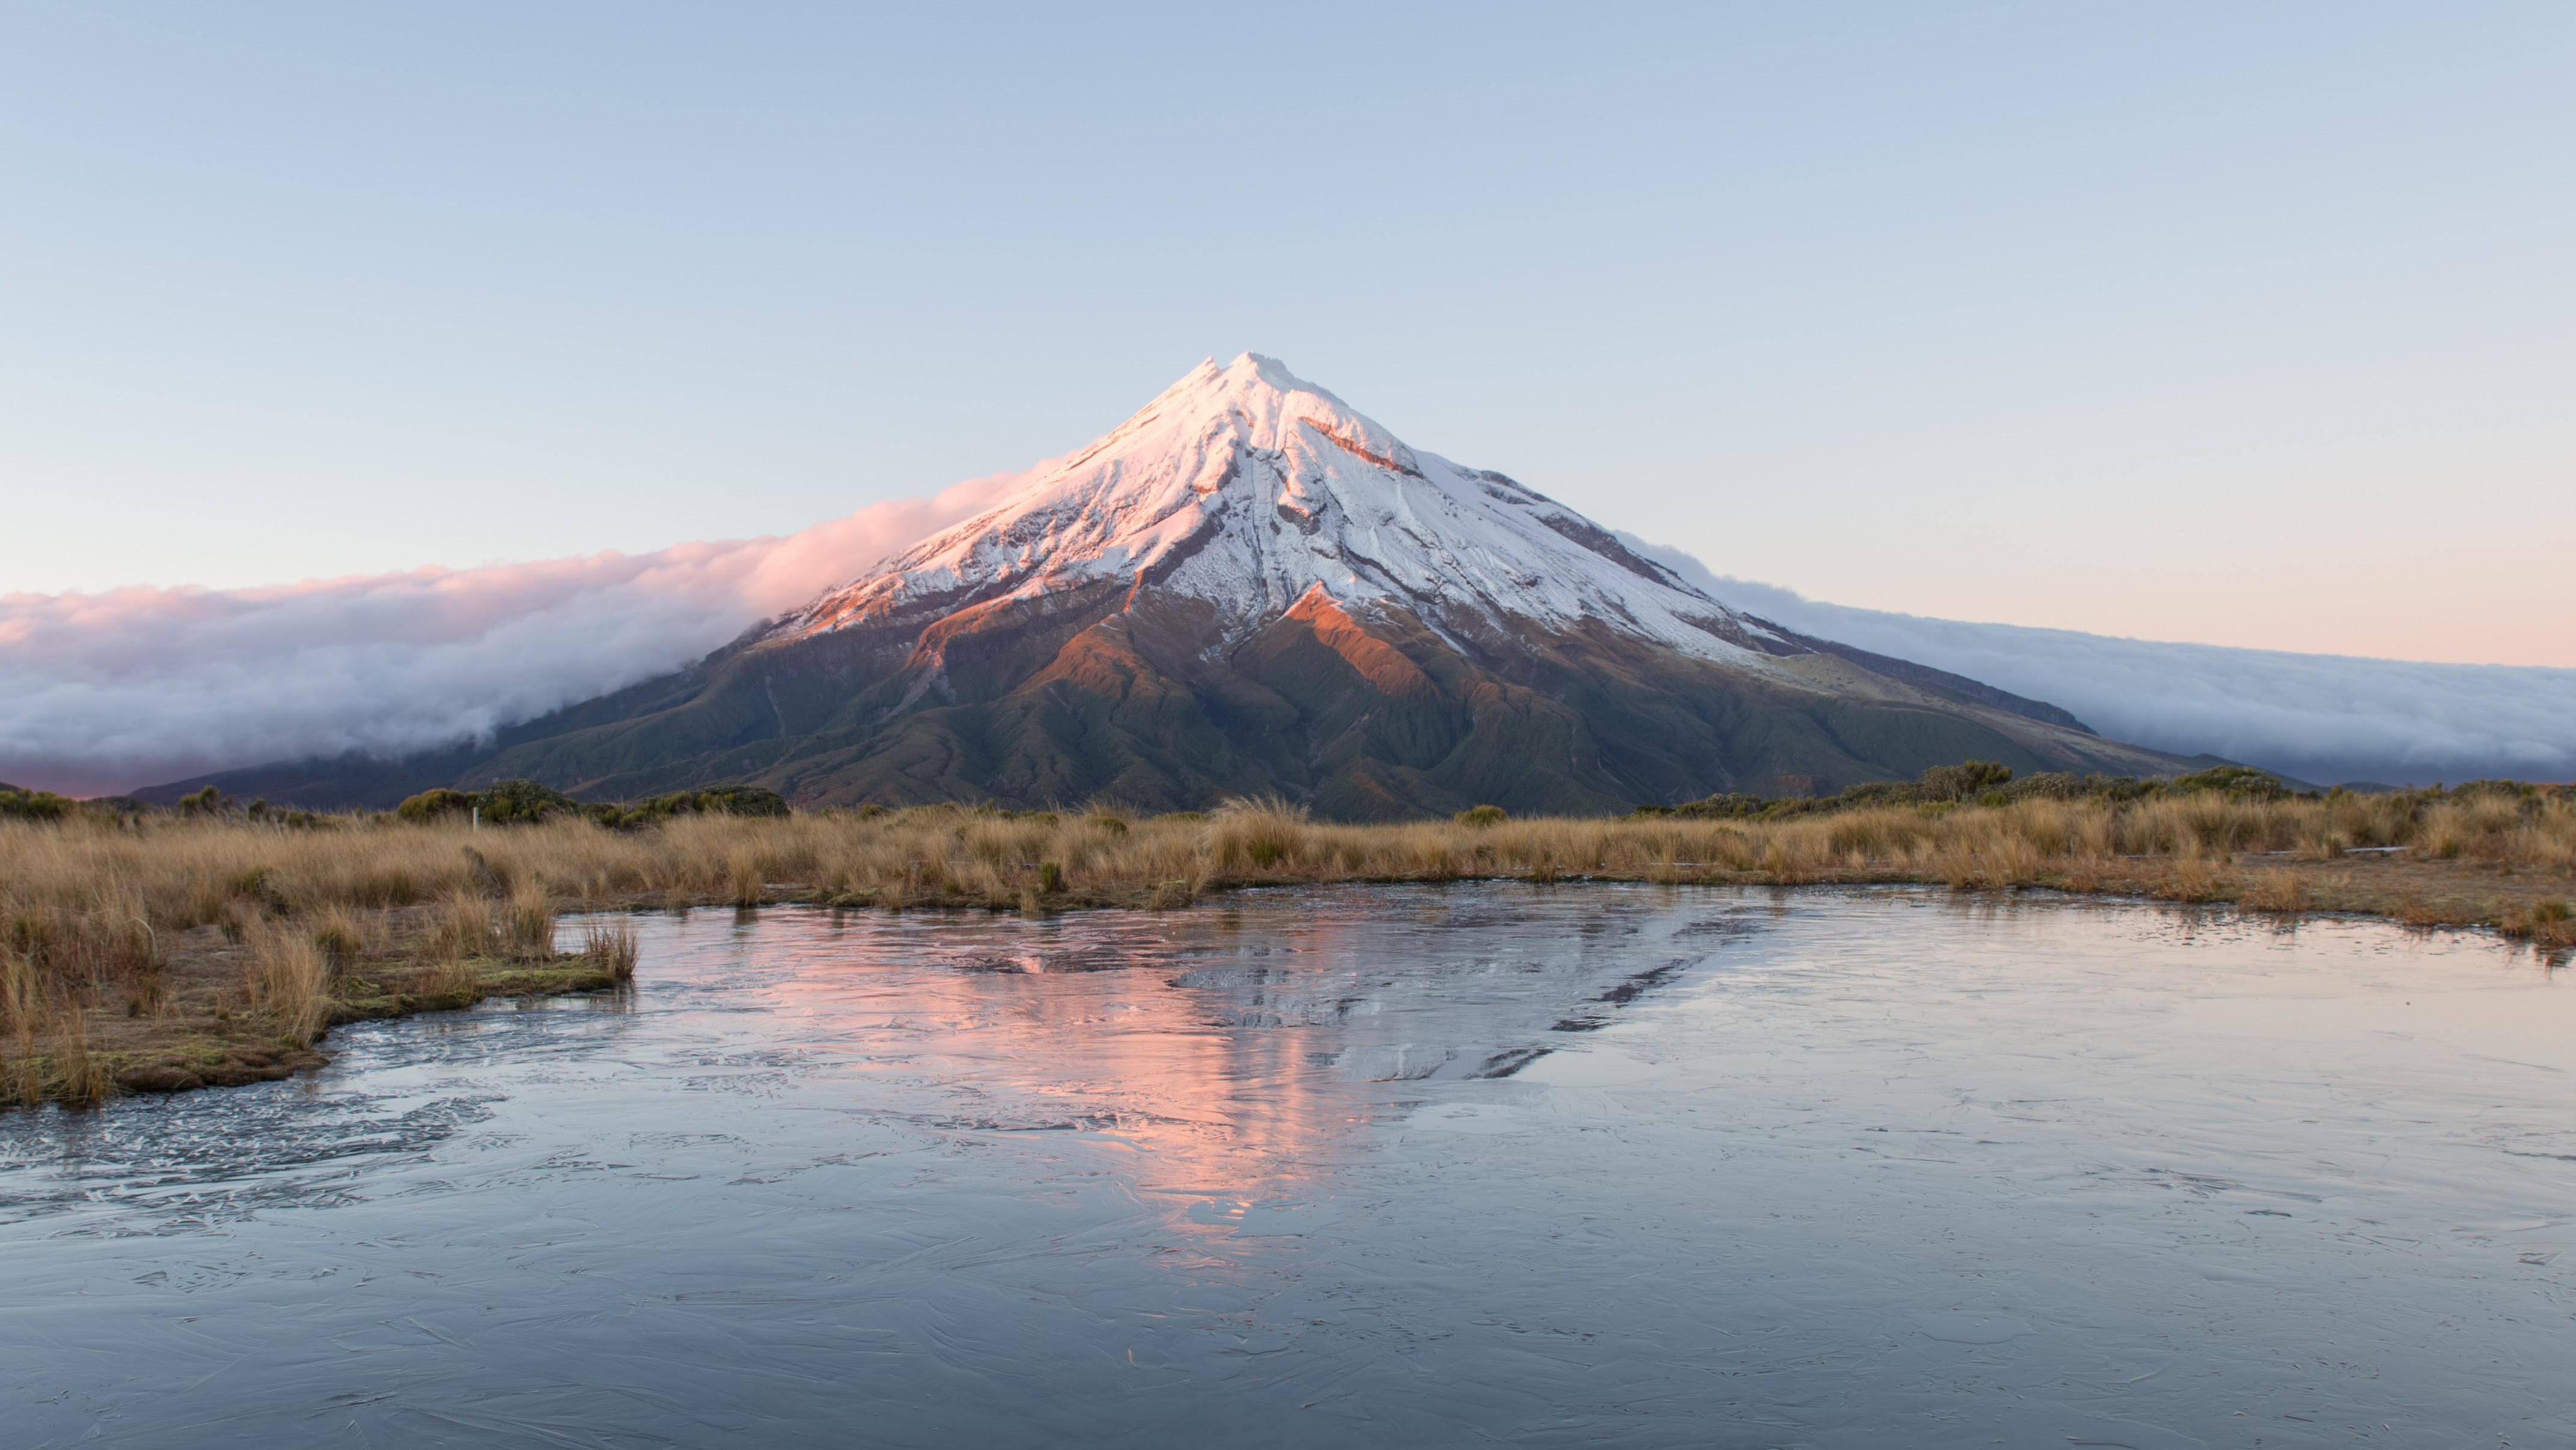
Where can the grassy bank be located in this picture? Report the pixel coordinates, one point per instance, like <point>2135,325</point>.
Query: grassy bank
<point>159,952</point>
<point>126,967</point>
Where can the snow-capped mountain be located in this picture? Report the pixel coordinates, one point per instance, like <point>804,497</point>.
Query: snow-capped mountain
<point>1251,587</point>
<point>1249,488</point>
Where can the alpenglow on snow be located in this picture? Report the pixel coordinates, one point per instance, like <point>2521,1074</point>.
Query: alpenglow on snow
<point>1249,488</point>
<point>1246,589</point>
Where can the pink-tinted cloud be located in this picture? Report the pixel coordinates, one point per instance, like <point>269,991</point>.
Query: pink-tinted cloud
<point>103,692</point>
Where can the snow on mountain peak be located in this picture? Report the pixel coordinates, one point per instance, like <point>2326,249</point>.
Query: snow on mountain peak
<point>1248,487</point>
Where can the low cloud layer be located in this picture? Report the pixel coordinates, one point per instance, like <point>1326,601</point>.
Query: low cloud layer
<point>2322,718</point>
<point>105,692</point>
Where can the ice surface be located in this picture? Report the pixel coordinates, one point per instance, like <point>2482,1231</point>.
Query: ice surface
<point>1852,1168</point>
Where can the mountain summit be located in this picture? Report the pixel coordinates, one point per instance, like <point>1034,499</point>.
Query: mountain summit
<point>1255,492</point>
<point>1252,587</point>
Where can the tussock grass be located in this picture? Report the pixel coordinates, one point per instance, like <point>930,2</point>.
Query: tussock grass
<point>288,978</point>
<point>280,929</point>
<point>461,929</point>
<point>2549,925</point>
<point>90,907</point>
<point>452,979</point>
<point>528,925</point>
<point>610,946</point>
<point>73,1074</point>
<point>87,903</point>
<point>2278,890</point>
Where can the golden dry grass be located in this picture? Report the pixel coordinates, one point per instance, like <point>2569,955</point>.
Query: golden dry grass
<point>611,947</point>
<point>528,925</point>
<point>89,902</point>
<point>289,979</point>
<point>89,910</point>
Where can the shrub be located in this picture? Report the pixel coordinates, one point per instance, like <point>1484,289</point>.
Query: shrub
<point>1482,816</point>
<point>2118,789</point>
<point>743,800</point>
<point>2053,785</point>
<point>203,801</point>
<point>1964,781</point>
<point>433,804</point>
<point>1730,807</point>
<point>32,805</point>
<point>1877,793</point>
<point>721,800</point>
<point>510,802</point>
<point>2236,782</point>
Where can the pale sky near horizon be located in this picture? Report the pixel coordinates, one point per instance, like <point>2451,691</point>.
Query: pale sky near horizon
<point>2241,325</point>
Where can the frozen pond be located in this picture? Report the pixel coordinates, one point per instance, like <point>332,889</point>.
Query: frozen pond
<point>1584,1165</point>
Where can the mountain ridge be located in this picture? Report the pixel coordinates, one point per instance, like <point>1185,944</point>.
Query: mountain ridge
<point>1250,587</point>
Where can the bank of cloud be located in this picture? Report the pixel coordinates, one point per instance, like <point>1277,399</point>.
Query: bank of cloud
<point>2327,718</point>
<point>103,692</point>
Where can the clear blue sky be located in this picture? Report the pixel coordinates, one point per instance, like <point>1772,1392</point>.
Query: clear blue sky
<point>2254,325</point>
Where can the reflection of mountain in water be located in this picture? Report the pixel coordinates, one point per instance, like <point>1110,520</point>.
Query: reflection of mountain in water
<point>1436,993</point>
<point>1237,1045</point>
<point>1238,1041</point>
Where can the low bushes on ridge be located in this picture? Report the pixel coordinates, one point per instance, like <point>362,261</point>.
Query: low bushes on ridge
<point>1987,783</point>
<point>525,802</point>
